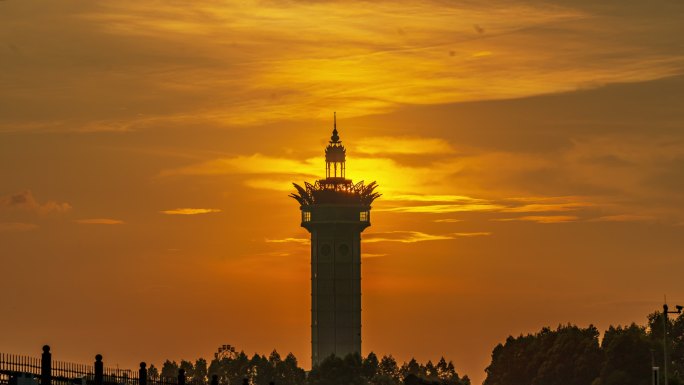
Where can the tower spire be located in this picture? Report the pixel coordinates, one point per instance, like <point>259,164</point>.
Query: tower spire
<point>334,138</point>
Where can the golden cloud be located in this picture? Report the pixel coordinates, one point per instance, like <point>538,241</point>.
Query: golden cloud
<point>548,207</point>
<point>415,236</point>
<point>475,234</point>
<point>542,219</point>
<point>288,240</point>
<point>189,211</point>
<point>405,188</point>
<point>252,164</point>
<point>373,255</point>
<point>440,209</point>
<point>436,198</point>
<point>403,237</point>
<point>277,173</point>
<point>271,61</point>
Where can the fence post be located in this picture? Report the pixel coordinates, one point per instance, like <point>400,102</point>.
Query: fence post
<point>99,370</point>
<point>181,376</point>
<point>142,374</point>
<point>214,380</point>
<point>46,366</point>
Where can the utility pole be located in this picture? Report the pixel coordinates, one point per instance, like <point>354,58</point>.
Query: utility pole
<point>666,311</point>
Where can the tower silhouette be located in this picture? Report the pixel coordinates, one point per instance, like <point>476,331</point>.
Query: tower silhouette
<point>335,211</point>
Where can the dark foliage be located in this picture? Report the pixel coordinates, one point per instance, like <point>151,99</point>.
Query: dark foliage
<point>570,355</point>
<point>233,368</point>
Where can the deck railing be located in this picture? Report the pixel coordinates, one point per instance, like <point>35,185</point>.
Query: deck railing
<point>18,369</point>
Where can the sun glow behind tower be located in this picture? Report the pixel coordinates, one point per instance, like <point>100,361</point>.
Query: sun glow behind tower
<point>335,211</point>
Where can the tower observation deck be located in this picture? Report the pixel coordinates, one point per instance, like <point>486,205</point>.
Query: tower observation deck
<point>335,211</point>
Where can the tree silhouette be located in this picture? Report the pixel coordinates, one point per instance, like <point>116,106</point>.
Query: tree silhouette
<point>412,368</point>
<point>566,356</point>
<point>370,366</point>
<point>338,371</point>
<point>627,356</point>
<point>571,355</point>
<point>200,372</point>
<point>188,367</point>
<point>169,369</point>
<point>234,368</point>
<point>152,372</point>
<point>288,372</point>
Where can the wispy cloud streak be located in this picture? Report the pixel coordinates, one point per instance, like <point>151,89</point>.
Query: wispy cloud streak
<point>542,218</point>
<point>189,211</point>
<point>100,221</point>
<point>288,240</point>
<point>416,236</point>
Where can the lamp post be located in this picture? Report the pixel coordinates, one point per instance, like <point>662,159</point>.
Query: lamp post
<point>666,311</point>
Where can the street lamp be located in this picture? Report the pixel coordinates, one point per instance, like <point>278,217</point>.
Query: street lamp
<point>665,313</point>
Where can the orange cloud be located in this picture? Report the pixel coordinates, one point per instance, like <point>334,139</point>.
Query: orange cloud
<point>475,234</point>
<point>373,255</point>
<point>189,211</point>
<point>543,218</point>
<point>397,181</point>
<point>436,198</point>
<point>99,221</point>
<point>252,164</point>
<point>403,237</point>
<point>623,218</point>
<point>288,240</point>
<point>26,201</point>
<point>273,46</point>
<point>414,236</point>
<point>548,207</point>
<point>439,209</point>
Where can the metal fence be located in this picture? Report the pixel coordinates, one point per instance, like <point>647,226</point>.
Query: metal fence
<point>44,371</point>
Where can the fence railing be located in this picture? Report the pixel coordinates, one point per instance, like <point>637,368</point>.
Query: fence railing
<point>25,370</point>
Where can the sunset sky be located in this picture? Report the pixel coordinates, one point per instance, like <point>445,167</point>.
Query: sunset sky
<point>530,155</point>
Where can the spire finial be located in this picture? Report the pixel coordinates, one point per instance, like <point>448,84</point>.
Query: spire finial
<point>334,138</point>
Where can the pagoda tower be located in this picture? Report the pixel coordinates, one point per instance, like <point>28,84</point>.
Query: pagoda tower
<point>335,211</point>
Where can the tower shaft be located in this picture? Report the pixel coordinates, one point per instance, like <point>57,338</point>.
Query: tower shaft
<point>335,280</point>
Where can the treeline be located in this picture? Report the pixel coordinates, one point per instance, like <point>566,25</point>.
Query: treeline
<point>570,355</point>
<point>233,368</point>
<point>371,371</point>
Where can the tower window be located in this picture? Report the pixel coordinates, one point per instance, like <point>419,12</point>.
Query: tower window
<point>363,216</point>
<point>306,216</point>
